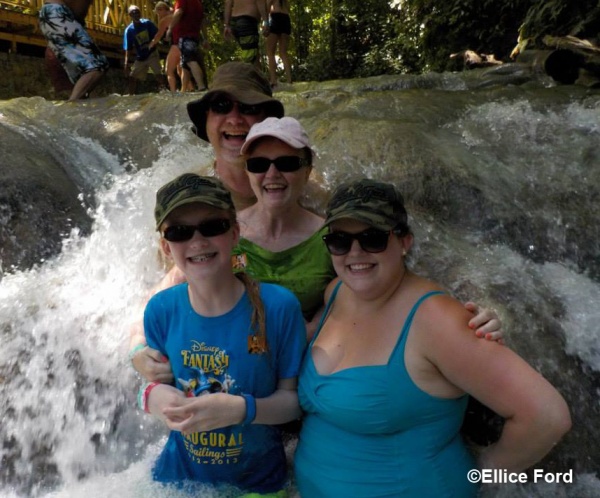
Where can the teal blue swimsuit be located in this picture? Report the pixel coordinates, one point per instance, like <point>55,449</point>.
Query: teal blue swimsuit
<point>371,432</point>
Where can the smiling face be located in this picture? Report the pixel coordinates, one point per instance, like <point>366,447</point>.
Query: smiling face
<point>276,189</point>
<point>201,257</point>
<point>366,273</point>
<point>227,132</point>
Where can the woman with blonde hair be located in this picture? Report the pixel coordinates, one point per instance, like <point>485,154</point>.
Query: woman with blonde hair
<point>172,66</point>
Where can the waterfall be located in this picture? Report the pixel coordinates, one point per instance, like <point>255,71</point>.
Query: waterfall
<point>501,173</point>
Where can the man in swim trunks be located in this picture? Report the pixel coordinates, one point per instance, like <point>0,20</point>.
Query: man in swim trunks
<point>241,20</point>
<point>62,24</point>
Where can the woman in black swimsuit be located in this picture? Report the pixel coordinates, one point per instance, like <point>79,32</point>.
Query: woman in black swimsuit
<point>280,29</point>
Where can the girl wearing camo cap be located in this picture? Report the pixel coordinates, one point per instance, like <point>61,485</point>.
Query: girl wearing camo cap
<point>234,347</point>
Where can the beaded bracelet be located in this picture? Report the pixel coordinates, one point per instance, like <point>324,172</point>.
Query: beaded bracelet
<point>143,394</point>
<point>135,350</point>
<point>250,409</point>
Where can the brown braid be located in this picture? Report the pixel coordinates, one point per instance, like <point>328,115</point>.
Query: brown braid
<point>257,323</point>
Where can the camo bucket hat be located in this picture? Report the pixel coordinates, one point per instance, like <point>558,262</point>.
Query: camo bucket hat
<point>378,204</point>
<point>189,188</point>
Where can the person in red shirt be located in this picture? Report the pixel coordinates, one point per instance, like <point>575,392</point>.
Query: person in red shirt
<point>186,25</point>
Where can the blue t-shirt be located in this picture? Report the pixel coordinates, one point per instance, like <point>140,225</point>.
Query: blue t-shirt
<point>213,351</point>
<point>140,37</point>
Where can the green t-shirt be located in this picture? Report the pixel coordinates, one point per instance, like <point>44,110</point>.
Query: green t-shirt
<point>305,269</point>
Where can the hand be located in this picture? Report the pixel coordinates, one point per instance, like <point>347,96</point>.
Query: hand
<point>227,34</point>
<point>152,365</point>
<point>205,413</point>
<point>486,323</point>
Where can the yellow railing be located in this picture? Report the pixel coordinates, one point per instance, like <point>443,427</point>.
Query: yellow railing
<point>107,16</point>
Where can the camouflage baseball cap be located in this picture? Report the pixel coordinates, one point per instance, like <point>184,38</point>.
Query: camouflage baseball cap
<point>189,188</point>
<point>376,203</point>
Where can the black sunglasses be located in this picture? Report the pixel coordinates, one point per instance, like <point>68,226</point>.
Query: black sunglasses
<point>210,228</point>
<point>370,240</point>
<point>224,105</point>
<point>284,164</point>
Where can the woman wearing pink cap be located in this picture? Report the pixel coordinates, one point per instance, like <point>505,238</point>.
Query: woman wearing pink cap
<point>281,240</point>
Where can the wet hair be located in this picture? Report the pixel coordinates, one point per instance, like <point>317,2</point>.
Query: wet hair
<point>258,322</point>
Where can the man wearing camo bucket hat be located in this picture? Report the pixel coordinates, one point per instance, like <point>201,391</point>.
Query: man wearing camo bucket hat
<point>390,368</point>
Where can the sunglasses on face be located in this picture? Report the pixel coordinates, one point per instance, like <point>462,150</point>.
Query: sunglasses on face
<point>210,228</point>
<point>224,106</point>
<point>371,240</point>
<point>284,164</point>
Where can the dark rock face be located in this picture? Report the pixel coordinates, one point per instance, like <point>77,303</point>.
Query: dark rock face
<point>39,203</point>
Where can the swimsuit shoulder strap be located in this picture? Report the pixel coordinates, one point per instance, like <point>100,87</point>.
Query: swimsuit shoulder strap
<point>409,320</point>
<point>327,308</point>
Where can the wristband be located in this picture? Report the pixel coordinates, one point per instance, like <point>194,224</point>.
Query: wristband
<point>136,349</point>
<point>250,409</point>
<point>143,394</point>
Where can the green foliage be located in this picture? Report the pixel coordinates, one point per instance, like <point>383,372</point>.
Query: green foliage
<point>560,18</point>
<point>334,39</point>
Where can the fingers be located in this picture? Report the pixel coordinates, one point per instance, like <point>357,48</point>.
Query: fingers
<point>152,365</point>
<point>471,306</point>
<point>491,331</point>
<point>155,355</point>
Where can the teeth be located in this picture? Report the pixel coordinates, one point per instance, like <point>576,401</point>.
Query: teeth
<point>274,187</point>
<point>201,258</point>
<point>240,134</point>
<point>360,266</point>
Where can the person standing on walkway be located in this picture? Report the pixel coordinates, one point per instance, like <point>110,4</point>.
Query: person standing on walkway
<point>241,20</point>
<point>62,22</point>
<point>186,24</point>
<point>137,39</point>
<point>280,29</point>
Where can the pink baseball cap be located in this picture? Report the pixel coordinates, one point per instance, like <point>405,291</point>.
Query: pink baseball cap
<point>287,129</point>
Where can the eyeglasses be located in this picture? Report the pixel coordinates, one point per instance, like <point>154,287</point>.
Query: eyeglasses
<point>371,240</point>
<point>210,228</point>
<point>224,105</point>
<point>284,164</point>
<point>134,11</point>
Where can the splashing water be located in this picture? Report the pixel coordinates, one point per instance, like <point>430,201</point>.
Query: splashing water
<point>69,425</point>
